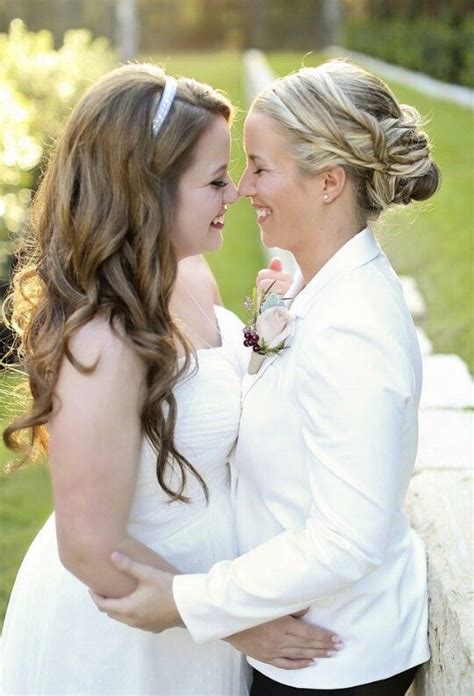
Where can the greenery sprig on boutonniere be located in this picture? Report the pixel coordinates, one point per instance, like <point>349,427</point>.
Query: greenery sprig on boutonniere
<point>269,326</point>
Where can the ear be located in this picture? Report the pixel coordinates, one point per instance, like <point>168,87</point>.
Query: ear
<point>332,183</point>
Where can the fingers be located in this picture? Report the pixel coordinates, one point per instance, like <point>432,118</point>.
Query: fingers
<point>277,287</point>
<point>275,264</point>
<point>298,658</point>
<point>110,605</point>
<point>281,281</point>
<point>308,653</point>
<point>315,636</point>
<point>132,568</point>
<point>270,274</point>
<point>117,609</point>
<point>284,663</point>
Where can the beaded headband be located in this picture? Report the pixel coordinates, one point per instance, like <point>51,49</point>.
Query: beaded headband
<point>164,105</point>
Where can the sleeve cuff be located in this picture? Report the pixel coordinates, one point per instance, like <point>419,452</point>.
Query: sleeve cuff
<point>188,593</point>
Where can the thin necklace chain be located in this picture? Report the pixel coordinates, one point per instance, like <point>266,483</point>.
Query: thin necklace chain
<point>205,315</point>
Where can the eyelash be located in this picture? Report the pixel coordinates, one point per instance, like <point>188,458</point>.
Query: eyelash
<point>259,171</point>
<point>219,183</point>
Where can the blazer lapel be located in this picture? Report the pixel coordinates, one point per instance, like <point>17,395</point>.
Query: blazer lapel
<point>359,250</point>
<point>250,380</point>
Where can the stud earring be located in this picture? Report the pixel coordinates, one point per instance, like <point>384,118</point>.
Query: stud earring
<point>326,197</point>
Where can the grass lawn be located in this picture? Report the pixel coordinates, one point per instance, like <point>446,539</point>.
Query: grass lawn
<point>433,241</point>
<point>25,498</point>
<point>25,503</point>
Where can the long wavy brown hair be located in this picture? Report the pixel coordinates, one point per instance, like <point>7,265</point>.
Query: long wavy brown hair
<point>100,240</point>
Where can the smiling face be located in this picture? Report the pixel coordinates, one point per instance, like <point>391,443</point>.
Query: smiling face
<point>204,190</point>
<point>286,200</point>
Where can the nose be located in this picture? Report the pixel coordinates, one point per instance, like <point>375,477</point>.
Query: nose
<point>246,184</point>
<point>230,192</point>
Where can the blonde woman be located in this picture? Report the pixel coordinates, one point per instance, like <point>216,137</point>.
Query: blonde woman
<point>328,433</point>
<point>136,384</point>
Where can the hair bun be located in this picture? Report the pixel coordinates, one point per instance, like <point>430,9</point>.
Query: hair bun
<point>416,175</point>
<point>418,188</point>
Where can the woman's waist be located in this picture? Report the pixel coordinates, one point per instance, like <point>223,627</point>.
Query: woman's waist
<point>392,589</point>
<point>198,539</point>
<point>382,619</point>
<point>154,519</point>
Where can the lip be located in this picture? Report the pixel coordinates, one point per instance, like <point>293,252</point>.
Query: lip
<point>219,225</point>
<point>258,207</point>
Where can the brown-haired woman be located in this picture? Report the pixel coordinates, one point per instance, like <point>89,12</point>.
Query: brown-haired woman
<point>138,438</point>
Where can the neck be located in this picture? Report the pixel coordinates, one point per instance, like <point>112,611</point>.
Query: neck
<point>321,247</point>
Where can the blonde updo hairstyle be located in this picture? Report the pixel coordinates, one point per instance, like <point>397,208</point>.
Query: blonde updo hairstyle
<point>339,114</point>
<point>99,241</point>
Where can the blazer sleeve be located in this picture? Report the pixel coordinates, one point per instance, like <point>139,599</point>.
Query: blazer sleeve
<point>352,388</point>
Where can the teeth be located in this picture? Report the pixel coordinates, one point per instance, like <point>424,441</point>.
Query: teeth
<point>219,220</point>
<point>262,213</point>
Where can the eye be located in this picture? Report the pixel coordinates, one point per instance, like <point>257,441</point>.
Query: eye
<point>219,183</point>
<point>259,171</point>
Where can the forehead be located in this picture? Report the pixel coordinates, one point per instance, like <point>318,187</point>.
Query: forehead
<point>212,149</point>
<point>263,139</point>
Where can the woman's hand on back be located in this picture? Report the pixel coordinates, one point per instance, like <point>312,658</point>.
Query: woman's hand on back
<point>288,642</point>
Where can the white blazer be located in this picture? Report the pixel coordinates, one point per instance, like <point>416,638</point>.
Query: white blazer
<point>327,444</point>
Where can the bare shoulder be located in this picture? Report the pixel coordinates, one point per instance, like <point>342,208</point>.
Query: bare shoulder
<point>113,387</point>
<point>196,275</point>
<point>98,342</point>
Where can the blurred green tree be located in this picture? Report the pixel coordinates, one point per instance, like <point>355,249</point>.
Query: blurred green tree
<point>38,86</point>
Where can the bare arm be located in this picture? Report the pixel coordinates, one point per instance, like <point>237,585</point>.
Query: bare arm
<point>95,440</point>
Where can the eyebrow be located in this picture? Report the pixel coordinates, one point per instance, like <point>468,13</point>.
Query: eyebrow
<point>220,170</point>
<point>255,157</point>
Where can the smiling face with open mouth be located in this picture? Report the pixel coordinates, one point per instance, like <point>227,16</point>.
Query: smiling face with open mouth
<point>283,197</point>
<point>204,191</point>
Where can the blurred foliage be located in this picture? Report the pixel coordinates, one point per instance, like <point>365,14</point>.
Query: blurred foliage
<point>60,15</point>
<point>184,25</point>
<point>453,12</point>
<point>234,24</point>
<point>427,36</point>
<point>38,87</point>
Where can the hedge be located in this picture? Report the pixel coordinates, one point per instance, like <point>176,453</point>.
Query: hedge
<point>436,48</point>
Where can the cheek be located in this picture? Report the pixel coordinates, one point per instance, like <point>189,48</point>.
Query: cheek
<point>288,201</point>
<point>301,201</point>
<point>197,211</point>
<point>279,189</point>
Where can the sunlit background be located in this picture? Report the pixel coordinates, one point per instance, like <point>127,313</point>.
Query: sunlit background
<point>51,50</point>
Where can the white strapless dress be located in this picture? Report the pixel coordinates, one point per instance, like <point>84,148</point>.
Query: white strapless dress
<point>55,641</point>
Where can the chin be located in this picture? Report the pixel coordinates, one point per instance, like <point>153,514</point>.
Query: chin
<point>282,241</point>
<point>214,241</point>
<point>268,240</point>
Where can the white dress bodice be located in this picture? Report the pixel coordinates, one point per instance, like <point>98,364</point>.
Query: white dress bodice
<point>206,430</point>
